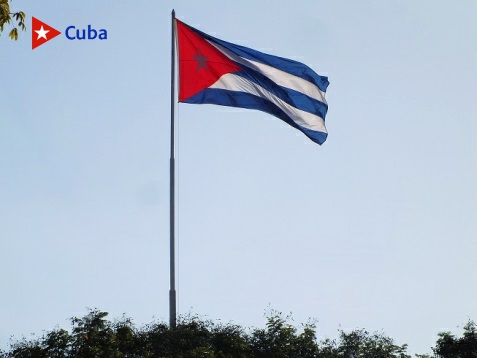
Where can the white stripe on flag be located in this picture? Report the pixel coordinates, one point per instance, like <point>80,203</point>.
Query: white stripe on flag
<point>304,119</point>
<point>280,77</point>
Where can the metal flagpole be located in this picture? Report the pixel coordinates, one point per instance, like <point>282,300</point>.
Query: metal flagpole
<point>172,290</point>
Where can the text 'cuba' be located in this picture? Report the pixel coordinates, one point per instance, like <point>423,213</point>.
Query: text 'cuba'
<point>72,33</point>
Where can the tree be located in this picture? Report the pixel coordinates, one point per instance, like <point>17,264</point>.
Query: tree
<point>450,346</point>
<point>8,18</point>
<point>95,336</point>
<point>360,343</point>
<point>281,339</point>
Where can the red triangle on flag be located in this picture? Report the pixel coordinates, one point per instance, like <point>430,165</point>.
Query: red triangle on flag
<point>41,33</point>
<point>200,63</point>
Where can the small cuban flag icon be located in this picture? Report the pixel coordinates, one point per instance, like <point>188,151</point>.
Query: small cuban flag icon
<point>41,33</point>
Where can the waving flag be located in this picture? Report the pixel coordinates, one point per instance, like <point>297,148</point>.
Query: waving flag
<point>218,72</point>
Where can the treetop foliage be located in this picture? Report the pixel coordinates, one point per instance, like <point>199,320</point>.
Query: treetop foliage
<point>450,346</point>
<point>94,336</point>
<point>9,18</point>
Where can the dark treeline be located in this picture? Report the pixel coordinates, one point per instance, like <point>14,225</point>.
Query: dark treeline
<point>94,336</point>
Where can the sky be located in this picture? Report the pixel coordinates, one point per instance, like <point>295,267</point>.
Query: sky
<point>374,229</point>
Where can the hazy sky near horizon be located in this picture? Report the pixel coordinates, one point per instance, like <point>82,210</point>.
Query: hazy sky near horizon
<point>375,229</point>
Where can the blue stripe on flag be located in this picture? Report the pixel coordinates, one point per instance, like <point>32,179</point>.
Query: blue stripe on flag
<point>292,97</point>
<point>245,100</point>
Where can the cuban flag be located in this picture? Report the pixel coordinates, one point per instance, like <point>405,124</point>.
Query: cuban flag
<point>218,72</point>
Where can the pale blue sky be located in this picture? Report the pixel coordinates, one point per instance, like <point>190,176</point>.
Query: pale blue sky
<point>375,229</point>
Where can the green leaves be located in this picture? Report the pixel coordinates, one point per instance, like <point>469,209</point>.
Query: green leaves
<point>20,18</point>
<point>4,14</point>
<point>94,336</point>
<point>13,34</point>
<point>450,346</point>
<point>4,11</point>
<point>7,17</point>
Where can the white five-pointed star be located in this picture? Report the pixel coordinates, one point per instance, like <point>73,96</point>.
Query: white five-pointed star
<point>42,33</point>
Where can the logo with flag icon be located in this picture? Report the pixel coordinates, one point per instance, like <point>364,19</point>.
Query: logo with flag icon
<point>41,33</point>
